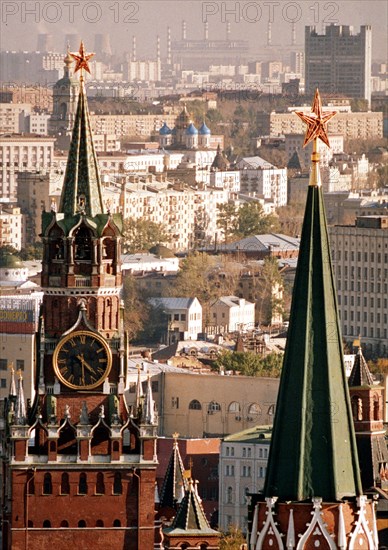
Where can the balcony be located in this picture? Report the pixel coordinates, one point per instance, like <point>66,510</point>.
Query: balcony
<point>82,282</point>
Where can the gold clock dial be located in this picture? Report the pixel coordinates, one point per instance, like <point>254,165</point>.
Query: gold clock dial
<point>82,360</point>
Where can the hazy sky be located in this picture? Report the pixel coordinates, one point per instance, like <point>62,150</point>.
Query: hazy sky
<point>148,18</point>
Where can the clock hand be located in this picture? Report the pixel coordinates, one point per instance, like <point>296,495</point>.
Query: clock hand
<point>84,363</point>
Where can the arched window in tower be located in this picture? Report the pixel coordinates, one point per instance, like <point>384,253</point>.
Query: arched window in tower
<point>82,485</point>
<point>67,442</point>
<point>376,408</point>
<point>117,484</point>
<point>229,495</point>
<point>47,485</point>
<point>195,405</point>
<point>100,485</point>
<point>82,244</point>
<point>65,484</point>
<point>47,524</point>
<point>62,111</point>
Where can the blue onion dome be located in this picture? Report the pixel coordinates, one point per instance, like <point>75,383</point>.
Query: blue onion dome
<point>191,130</point>
<point>204,130</point>
<point>164,130</point>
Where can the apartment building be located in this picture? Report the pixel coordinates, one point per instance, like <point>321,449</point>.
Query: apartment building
<point>10,114</point>
<point>263,179</point>
<point>11,226</point>
<point>359,125</point>
<point>142,125</point>
<point>21,153</point>
<point>242,470</point>
<point>339,61</point>
<point>183,318</point>
<point>360,262</point>
<point>231,313</point>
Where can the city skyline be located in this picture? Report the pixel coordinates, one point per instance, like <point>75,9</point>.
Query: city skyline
<point>248,20</point>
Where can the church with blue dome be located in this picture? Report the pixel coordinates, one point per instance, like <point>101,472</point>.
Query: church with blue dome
<point>184,135</point>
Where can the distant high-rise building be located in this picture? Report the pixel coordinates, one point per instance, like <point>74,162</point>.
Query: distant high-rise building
<point>45,42</point>
<point>339,61</point>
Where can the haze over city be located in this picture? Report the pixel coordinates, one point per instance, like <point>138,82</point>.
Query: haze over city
<point>23,21</point>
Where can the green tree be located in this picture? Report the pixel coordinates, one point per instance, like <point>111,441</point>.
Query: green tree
<point>139,235</point>
<point>226,219</point>
<point>251,220</point>
<point>233,539</point>
<point>32,252</point>
<point>250,364</point>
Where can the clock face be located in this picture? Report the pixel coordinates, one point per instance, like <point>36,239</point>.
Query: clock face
<point>82,360</point>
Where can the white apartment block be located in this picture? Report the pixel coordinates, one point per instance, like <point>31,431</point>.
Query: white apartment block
<point>20,153</point>
<point>225,179</point>
<point>130,125</point>
<point>144,71</point>
<point>10,114</point>
<point>360,125</point>
<point>294,143</point>
<point>231,313</point>
<point>184,317</point>
<point>264,180</point>
<point>11,227</point>
<point>242,470</point>
<point>360,262</point>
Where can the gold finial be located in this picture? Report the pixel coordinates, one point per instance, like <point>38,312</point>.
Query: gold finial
<point>175,435</point>
<point>11,367</point>
<point>82,58</point>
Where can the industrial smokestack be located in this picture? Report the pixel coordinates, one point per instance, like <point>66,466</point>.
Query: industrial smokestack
<point>102,44</point>
<point>228,30</point>
<point>133,48</point>
<point>158,48</point>
<point>183,30</point>
<point>293,34</point>
<point>206,31</point>
<point>168,46</point>
<point>269,34</point>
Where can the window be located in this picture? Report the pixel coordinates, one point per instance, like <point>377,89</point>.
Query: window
<point>3,364</point>
<point>65,485</point>
<point>213,407</point>
<point>234,407</point>
<point>100,485</point>
<point>176,316</point>
<point>19,364</point>
<point>82,485</point>
<point>99,523</point>
<point>3,383</point>
<point>117,484</point>
<point>229,495</point>
<point>82,523</point>
<point>183,316</point>
<point>195,405</point>
<point>117,523</point>
<point>175,402</point>
<point>47,523</point>
<point>64,523</point>
<point>47,485</point>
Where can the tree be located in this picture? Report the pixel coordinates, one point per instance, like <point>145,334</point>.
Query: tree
<point>291,218</point>
<point>250,364</point>
<point>32,252</point>
<point>267,290</point>
<point>233,539</point>
<point>139,235</point>
<point>251,220</point>
<point>226,219</point>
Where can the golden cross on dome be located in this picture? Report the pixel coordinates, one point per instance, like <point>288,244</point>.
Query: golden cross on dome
<point>81,59</point>
<point>316,121</point>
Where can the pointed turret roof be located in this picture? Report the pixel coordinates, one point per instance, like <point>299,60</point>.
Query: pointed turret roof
<point>191,516</point>
<point>12,386</point>
<point>149,413</point>
<point>81,187</point>
<point>360,375</point>
<point>20,405</point>
<point>313,451</point>
<point>174,483</point>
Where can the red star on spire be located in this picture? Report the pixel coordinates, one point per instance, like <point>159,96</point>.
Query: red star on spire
<point>82,59</point>
<point>316,122</point>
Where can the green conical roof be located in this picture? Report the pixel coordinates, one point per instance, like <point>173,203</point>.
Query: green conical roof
<point>174,483</point>
<point>82,188</point>
<point>313,451</point>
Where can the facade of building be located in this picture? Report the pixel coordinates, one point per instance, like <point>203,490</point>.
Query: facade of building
<point>12,226</point>
<point>231,313</point>
<point>358,125</point>
<point>205,405</point>
<point>263,179</point>
<point>79,465</point>
<point>360,256</point>
<point>294,143</point>
<point>183,317</point>
<point>10,115</point>
<point>242,469</point>
<point>339,61</point>
<point>20,153</point>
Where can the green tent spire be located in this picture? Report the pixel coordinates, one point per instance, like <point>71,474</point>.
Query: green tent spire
<point>82,188</point>
<point>313,449</point>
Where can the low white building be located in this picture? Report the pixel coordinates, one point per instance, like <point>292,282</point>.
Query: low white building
<point>232,313</point>
<point>184,317</point>
<point>135,263</point>
<point>242,470</point>
<point>11,226</point>
<point>263,179</point>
